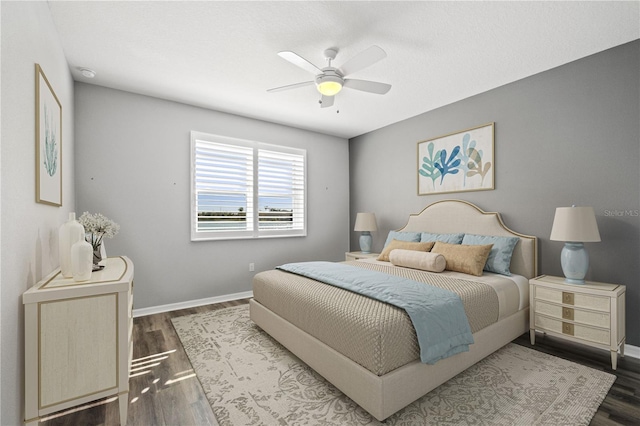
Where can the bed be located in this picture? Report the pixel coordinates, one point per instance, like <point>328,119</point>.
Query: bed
<point>362,346</point>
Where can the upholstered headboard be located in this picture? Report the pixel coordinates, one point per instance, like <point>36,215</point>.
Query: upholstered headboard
<point>457,216</point>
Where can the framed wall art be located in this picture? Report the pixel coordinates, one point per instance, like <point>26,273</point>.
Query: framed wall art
<point>457,162</point>
<point>48,142</point>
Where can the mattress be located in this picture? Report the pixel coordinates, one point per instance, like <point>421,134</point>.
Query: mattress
<point>376,335</point>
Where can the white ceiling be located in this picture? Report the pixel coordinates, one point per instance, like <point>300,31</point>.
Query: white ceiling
<point>222,55</point>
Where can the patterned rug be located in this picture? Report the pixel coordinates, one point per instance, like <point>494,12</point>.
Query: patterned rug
<point>250,379</point>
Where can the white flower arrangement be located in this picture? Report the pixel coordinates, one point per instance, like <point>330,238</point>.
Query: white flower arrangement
<point>99,227</point>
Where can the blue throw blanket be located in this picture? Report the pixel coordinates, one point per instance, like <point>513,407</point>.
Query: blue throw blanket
<point>437,315</point>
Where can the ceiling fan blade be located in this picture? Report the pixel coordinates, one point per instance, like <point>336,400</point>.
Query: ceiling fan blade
<point>299,61</point>
<point>291,86</point>
<point>362,60</point>
<point>367,86</point>
<point>326,101</point>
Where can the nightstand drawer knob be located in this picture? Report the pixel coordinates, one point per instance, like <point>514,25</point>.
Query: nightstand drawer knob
<point>567,328</point>
<point>567,298</point>
<point>567,313</point>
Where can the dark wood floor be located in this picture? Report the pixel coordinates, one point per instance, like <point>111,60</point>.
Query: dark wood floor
<point>165,391</point>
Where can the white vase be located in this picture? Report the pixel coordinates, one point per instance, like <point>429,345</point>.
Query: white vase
<point>81,260</point>
<point>70,233</point>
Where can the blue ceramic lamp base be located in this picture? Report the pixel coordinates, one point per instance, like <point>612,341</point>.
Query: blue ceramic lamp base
<point>365,242</point>
<point>575,262</point>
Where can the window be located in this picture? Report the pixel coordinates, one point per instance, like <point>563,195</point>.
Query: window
<point>246,189</point>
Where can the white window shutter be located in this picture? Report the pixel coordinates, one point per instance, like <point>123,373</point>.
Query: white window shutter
<point>246,189</point>
<point>281,190</point>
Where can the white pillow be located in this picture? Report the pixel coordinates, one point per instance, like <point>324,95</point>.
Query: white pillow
<point>426,261</point>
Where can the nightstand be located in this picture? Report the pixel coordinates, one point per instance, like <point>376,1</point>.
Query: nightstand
<point>592,313</point>
<point>355,255</point>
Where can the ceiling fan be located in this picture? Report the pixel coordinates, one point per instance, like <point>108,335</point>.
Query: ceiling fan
<point>330,80</point>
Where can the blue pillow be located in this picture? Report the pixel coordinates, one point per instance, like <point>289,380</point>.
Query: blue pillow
<point>500,256</point>
<point>402,236</point>
<point>444,238</point>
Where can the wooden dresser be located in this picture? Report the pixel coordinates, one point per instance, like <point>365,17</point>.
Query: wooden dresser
<point>592,313</point>
<point>78,344</point>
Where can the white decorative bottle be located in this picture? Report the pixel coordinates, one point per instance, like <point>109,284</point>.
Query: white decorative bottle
<point>70,233</point>
<point>81,260</point>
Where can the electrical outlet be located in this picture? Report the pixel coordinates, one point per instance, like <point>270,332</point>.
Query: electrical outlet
<point>251,267</point>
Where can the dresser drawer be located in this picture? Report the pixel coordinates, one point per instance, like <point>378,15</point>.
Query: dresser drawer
<point>579,331</point>
<point>598,319</point>
<point>575,299</point>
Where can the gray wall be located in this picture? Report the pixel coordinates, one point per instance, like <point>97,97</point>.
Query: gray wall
<point>570,135</point>
<point>29,230</point>
<point>132,165</point>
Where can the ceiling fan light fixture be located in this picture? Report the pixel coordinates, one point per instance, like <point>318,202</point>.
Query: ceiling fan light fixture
<point>329,85</point>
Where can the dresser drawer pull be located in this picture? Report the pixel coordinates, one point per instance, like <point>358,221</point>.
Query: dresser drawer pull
<point>567,313</point>
<point>567,328</point>
<point>567,298</point>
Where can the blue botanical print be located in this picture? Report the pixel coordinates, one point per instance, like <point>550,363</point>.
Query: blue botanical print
<point>450,166</point>
<point>428,168</point>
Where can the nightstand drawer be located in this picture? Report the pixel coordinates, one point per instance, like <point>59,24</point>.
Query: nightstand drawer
<point>571,329</point>
<point>355,255</point>
<point>576,315</point>
<point>579,300</point>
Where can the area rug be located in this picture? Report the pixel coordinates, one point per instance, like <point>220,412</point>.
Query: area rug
<point>250,379</point>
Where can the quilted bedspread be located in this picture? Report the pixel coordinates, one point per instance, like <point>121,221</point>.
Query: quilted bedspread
<point>437,314</point>
<point>375,334</point>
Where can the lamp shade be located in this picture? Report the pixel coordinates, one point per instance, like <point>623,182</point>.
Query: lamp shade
<point>575,224</point>
<point>366,222</point>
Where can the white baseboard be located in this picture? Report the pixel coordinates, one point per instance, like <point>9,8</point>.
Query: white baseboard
<point>632,351</point>
<point>191,304</point>
<point>629,350</point>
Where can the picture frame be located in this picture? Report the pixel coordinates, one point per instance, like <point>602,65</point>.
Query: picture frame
<point>48,142</point>
<point>457,162</point>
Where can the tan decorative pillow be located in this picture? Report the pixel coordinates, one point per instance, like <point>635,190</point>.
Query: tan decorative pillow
<point>426,261</point>
<point>468,259</point>
<point>405,245</point>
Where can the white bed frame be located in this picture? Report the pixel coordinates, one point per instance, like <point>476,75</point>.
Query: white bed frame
<point>384,395</point>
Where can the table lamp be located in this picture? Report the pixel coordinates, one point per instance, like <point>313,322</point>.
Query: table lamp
<point>575,226</point>
<point>365,223</point>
